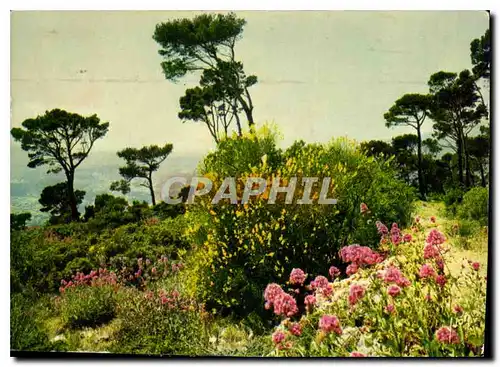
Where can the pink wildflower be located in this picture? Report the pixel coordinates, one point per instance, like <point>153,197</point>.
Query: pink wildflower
<point>427,271</point>
<point>319,282</point>
<point>441,280</point>
<point>360,255</point>
<point>394,275</point>
<point>355,293</point>
<point>334,272</point>
<point>407,238</point>
<point>272,291</point>
<point>285,305</point>
<point>357,354</point>
<point>153,271</point>
<point>447,335</point>
<point>296,329</point>
<point>393,290</point>
<point>351,269</point>
<point>395,234</point>
<point>278,337</point>
<point>381,228</point>
<point>431,251</point>
<point>330,323</point>
<point>297,276</point>
<point>475,266</point>
<point>440,263</point>
<point>435,237</point>
<point>390,308</point>
<point>310,300</point>
<point>458,309</point>
<point>363,208</point>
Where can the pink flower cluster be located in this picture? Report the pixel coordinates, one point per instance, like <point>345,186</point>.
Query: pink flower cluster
<point>381,228</point>
<point>426,271</point>
<point>356,292</point>
<point>333,272</point>
<point>447,335</point>
<point>395,234</point>
<point>435,237</point>
<point>407,238</point>
<point>283,303</point>
<point>393,275</point>
<point>297,276</point>
<point>330,323</point>
<point>94,279</point>
<point>363,208</point>
<point>360,255</point>
<point>310,300</point>
<point>295,329</point>
<point>393,290</point>
<point>279,340</point>
<point>390,308</point>
<point>320,284</point>
<point>357,354</point>
<point>351,269</point>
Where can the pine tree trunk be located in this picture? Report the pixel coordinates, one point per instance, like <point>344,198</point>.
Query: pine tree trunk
<point>72,198</point>
<point>151,189</point>
<point>420,173</point>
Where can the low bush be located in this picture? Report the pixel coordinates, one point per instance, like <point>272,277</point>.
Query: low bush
<point>26,333</point>
<point>475,205</point>
<point>91,305</point>
<point>160,322</point>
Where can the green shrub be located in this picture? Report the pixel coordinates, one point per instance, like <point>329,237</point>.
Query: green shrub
<point>475,205</point>
<point>452,198</point>
<point>41,257</point>
<point>87,305</point>
<point>152,327</point>
<point>243,247</point>
<point>26,334</point>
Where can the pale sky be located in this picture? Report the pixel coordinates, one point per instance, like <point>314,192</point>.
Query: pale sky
<point>321,74</point>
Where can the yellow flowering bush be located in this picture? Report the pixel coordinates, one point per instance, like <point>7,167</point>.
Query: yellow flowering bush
<point>241,247</point>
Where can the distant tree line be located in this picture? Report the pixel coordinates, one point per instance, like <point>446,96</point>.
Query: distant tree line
<point>457,109</point>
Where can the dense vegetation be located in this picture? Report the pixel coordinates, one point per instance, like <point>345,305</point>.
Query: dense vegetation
<point>363,277</point>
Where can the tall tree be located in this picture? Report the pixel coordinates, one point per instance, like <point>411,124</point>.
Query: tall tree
<point>411,110</point>
<point>456,109</point>
<point>141,163</point>
<point>61,140</point>
<point>206,44</point>
<point>480,54</point>
<point>55,200</point>
<point>479,150</point>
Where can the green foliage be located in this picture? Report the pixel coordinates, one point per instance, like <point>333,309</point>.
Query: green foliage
<point>41,257</point>
<point>61,140</point>
<point>206,44</point>
<point>87,305</point>
<point>26,333</point>
<point>475,205</point>
<point>480,54</point>
<point>55,199</point>
<point>150,327</point>
<point>243,247</point>
<point>141,163</point>
<point>234,156</point>
<point>18,221</point>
